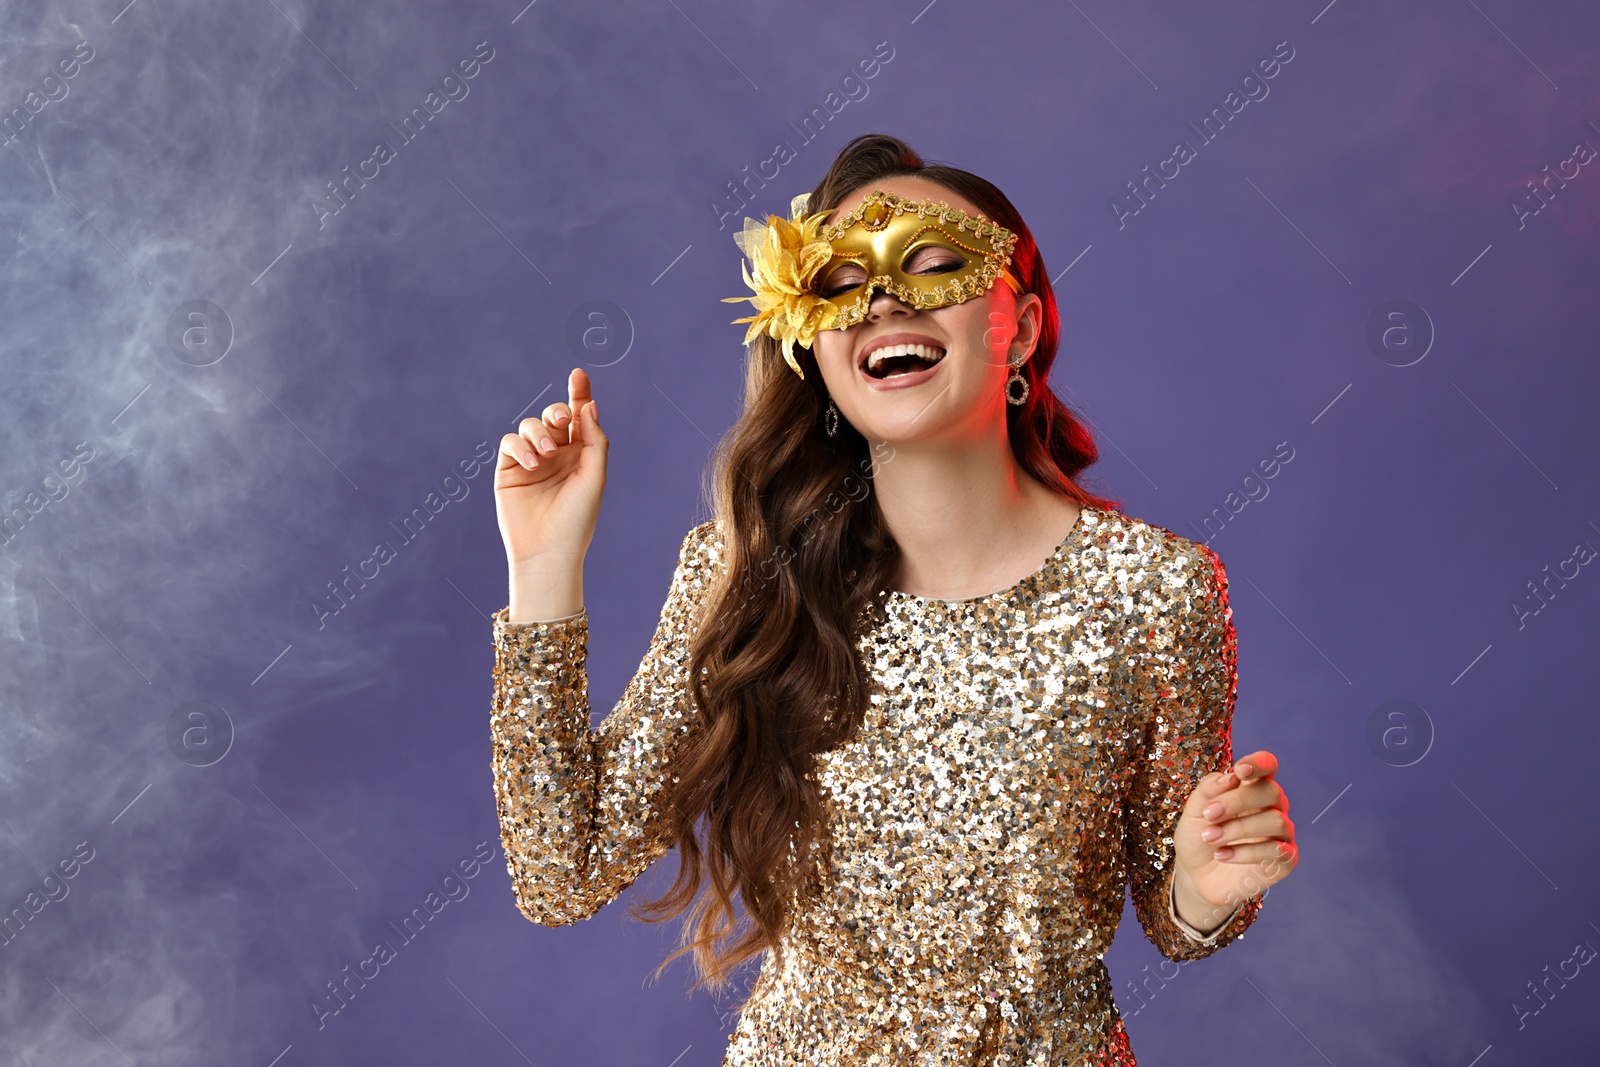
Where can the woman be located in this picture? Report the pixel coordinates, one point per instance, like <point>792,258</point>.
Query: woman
<point>928,795</point>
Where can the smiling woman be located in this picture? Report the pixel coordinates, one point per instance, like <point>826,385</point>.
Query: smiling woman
<point>928,752</point>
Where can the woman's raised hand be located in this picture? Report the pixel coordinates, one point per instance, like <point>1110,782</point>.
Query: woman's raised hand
<point>549,481</point>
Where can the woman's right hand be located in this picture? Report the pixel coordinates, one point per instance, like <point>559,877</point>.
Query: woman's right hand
<point>550,477</point>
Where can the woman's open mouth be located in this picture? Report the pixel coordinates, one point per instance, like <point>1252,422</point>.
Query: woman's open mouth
<point>894,366</point>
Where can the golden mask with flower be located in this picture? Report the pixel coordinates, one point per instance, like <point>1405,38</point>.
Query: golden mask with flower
<point>794,258</point>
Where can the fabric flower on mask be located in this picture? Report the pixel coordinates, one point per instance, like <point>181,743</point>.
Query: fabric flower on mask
<point>786,256</point>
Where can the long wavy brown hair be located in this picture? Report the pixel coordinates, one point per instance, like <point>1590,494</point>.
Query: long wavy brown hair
<point>773,664</point>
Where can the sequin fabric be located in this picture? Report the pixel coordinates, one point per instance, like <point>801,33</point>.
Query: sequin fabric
<point>1023,761</point>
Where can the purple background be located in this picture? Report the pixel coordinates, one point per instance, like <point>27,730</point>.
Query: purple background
<point>591,159</point>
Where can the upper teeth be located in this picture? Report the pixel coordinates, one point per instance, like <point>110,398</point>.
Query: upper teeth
<point>876,358</point>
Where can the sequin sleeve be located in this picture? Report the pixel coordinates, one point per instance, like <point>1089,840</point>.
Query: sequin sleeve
<point>580,809</point>
<point>1189,658</point>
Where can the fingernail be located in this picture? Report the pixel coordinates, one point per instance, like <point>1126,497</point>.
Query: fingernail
<point>562,418</point>
<point>1225,852</point>
<point>1213,810</point>
<point>529,460</point>
<point>1211,833</point>
<point>1244,770</point>
<point>547,444</point>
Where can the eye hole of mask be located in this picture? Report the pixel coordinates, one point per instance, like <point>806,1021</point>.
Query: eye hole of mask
<point>924,259</point>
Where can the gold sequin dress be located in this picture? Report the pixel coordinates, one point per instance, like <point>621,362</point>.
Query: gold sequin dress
<point>1024,757</point>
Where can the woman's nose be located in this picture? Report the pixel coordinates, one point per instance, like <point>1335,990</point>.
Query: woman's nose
<point>883,302</point>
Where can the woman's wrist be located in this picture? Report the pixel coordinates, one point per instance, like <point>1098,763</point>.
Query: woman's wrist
<point>545,588</point>
<point>1193,909</point>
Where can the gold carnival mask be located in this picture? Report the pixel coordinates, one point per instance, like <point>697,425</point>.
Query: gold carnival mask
<point>811,276</point>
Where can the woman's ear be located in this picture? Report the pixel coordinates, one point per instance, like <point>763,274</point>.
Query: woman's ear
<point>1029,310</point>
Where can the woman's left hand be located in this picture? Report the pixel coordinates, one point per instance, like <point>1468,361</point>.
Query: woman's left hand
<point>1234,837</point>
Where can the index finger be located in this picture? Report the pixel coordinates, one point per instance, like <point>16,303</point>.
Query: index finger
<point>577,390</point>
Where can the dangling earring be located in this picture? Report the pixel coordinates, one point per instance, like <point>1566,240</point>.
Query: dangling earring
<point>830,418</point>
<point>1015,379</point>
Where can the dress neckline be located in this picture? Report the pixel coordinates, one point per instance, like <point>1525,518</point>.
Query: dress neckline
<point>896,596</point>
